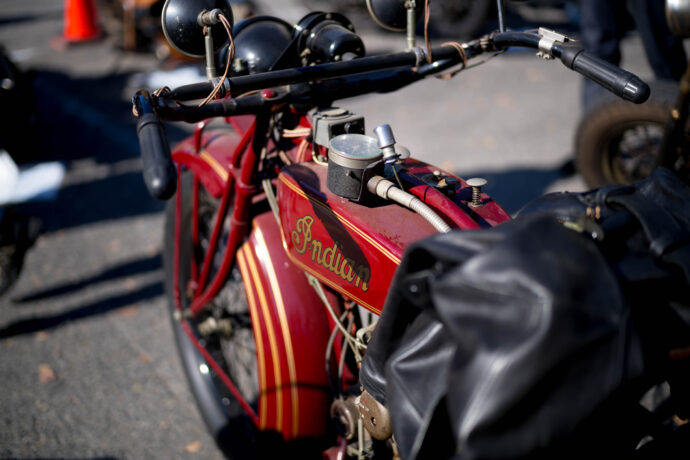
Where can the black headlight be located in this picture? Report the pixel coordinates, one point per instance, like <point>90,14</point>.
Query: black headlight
<point>327,37</point>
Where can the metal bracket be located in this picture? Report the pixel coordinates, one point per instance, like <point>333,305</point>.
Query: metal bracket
<point>225,87</point>
<point>547,39</point>
<point>420,56</point>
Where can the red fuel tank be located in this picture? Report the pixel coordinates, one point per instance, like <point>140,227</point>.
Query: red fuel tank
<point>355,249</point>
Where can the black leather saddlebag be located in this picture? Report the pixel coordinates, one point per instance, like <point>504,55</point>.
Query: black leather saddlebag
<point>538,338</point>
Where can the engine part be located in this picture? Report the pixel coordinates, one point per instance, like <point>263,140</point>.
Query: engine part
<point>334,121</point>
<point>375,417</point>
<point>345,414</point>
<point>352,160</point>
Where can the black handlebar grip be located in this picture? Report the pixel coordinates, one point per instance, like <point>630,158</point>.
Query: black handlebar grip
<point>618,81</point>
<point>159,171</point>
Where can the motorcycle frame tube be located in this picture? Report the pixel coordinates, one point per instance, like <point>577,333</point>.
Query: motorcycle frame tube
<point>215,235</point>
<point>223,209</point>
<point>185,324</point>
<point>432,197</point>
<point>195,223</point>
<point>247,158</point>
<point>465,219</point>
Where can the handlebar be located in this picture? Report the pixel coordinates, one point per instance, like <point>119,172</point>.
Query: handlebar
<point>245,83</point>
<point>615,79</point>
<point>358,76</point>
<point>160,175</point>
<point>618,81</point>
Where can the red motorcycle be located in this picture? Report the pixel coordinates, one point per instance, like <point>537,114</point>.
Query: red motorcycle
<point>288,222</point>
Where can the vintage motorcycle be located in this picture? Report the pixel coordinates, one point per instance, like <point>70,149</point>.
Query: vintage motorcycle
<point>288,222</point>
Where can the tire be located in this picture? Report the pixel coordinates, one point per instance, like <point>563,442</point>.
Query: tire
<point>617,142</point>
<point>232,429</point>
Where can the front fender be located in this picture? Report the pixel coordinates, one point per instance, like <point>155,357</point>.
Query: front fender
<point>291,329</point>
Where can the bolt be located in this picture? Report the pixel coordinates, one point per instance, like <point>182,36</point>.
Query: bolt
<point>476,183</point>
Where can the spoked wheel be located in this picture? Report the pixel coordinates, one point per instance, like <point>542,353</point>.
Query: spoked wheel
<point>224,329</point>
<point>618,142</point>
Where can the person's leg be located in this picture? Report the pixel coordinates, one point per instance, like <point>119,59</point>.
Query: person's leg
<point>665,52</point>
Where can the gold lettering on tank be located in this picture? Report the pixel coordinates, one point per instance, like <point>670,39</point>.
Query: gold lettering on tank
<point>329,257</point>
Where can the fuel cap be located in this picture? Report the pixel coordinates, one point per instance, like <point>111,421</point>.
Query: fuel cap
<point>354,151</point>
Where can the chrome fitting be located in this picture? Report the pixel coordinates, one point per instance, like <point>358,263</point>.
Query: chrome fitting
<point>547,39</point>
<point>386,141</point>
<point>209,18</point>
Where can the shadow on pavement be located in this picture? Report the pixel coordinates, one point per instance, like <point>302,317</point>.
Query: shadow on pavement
<point>135,267</point>
<point>85,118</point>
<point>114,197</point>
<point>87,121</point>
<point>33,17</point>
<point>29,326</point>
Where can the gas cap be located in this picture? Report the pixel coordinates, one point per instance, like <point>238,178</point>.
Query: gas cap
<point>349,156</point>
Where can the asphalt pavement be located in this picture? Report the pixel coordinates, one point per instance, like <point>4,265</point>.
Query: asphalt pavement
<point>87,359</point>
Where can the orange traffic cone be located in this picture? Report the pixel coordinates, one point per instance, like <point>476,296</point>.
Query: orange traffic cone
<point>81,21</point>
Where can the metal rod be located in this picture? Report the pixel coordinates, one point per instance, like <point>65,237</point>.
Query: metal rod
<point>215,235</point>
<point>210,63</point>
<point>240,212</point>
<point>195,226</point>
<point>501,25</point>
<point>411,24</point>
